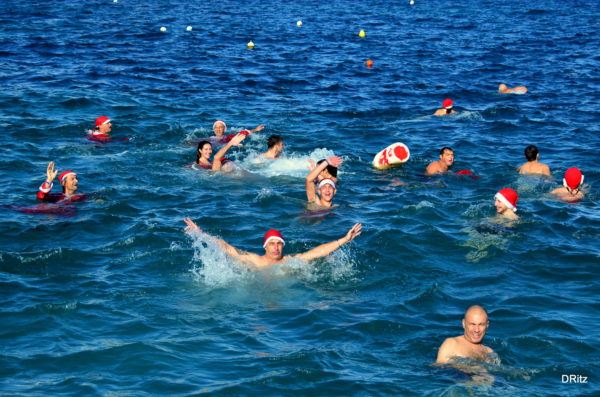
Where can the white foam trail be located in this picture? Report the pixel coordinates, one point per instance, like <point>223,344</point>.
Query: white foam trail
<point>293,164</point>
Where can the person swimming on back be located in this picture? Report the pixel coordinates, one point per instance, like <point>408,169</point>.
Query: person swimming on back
<point>447,108</point>
<point>571,190</point>
<point>219,163</point>
<point>506,203</point>
<point>503,89</point>
<point>219,128</point>
<point>68,181</point>
<point>321,194</point>
<point>532,166</point>
<point>443,164</point>
<point>273,244</point>
<point>274,147</point>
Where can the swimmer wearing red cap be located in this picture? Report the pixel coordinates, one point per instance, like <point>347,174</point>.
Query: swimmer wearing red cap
<point>572,183</point>
<point>506,203</point>
<point>68,181</point>
<point>447,108</point>
<point>321,195</point>
<point>532,166</point>
<point>219,128</point>
<point>102,129</point>
<point>503,89</point>
<point>443,164</point>
<point>273,244</point>
<point>219,163</point>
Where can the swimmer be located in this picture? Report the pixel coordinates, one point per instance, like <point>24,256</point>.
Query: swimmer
<point>469,344</point>
<point>219,163</point>
<point>101,130</point>
<point>447,108</point>
<point>532,166</point>
<point>219,128</point>
<point>322,194</point>
<point>506,203</point>
<point>571,190</point>
<point>68,181</point>
<point>503,89</point>
<point>443,164</point>
<point>273,244</point>
<point>274,147</point>
<point>329,172</point>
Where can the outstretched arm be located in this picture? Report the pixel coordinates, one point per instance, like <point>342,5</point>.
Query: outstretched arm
<point>228,248</point>
<point>236,141</point>
<point>46,186</point>
<point>259,128</point>
<point>311,191</point>
<point>327,248</point>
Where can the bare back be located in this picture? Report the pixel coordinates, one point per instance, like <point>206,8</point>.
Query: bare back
<point>533,167</point>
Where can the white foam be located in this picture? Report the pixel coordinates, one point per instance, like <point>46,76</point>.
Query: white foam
<point>292,164</point>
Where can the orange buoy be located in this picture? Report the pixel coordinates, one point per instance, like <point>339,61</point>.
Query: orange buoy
<point>369,63</point>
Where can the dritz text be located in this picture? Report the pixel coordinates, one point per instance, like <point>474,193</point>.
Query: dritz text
<point>574,379</point>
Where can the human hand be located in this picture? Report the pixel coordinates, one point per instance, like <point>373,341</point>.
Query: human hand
<point>51,172</point>
<point>335,161</point>
<point>259,128</point>
<point>191,226</point>
<point>353,232</point>
<point>311,164</point>
<point>236,140</point>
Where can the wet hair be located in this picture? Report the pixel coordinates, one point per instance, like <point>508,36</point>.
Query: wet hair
<point>330,168</point>
<point>442,150</point>
<point>449,110</point>
<point>274,140</point>
<point>200,146</point>
<point>531,152</point>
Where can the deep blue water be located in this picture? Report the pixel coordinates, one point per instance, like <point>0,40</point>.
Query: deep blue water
<point>116,299</point>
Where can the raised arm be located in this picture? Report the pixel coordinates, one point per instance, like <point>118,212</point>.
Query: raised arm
<point>235,141</point>
<point>258,128</point>
<point>327,248</point>
<point>228,248</point>
<point>311,191</point>
<point>46,186</point>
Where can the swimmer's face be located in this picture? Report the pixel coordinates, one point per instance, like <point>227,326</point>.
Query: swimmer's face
<point>327,192</point>
<point>500,206</point>
<point>279,147</point>
<point>219,128</point>
<point>206,151</point>
<point>105,128</point>
<point>447,157</point>
<point>274,249</point>
<point>475,325</point>
<point>70,182</point>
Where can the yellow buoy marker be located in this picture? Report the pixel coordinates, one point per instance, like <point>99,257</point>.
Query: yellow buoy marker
<point>189,28</point>
<point>163,29</point>
<point>250,45</point>
<point>299,23</point>
<point>361,33</point>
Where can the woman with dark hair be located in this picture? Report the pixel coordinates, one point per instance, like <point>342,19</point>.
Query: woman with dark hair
<point>219,163</point>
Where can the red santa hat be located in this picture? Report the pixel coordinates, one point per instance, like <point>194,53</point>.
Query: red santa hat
<point>102,120</point>
<point>447,104</point>
<point>508,197</point>
<point>573,178</point>
<point>65,174</point>
<point>273,234</point>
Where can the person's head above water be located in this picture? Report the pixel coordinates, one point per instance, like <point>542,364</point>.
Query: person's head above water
<point>327,189</point>
<point>219,128</point>
<point>103,125</point>
<point>329,172</point>
<point>204,151</point>
<point>531,153</point>
<point>475,324</point>
<point>447,104</point>
<point>447,156</point>
<point>68,181</point>
<point>506,201</point>
<point>273,244</point>
<point>274,140</point>
<point>573,178</point>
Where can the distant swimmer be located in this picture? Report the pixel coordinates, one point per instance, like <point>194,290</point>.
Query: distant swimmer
<point>219,128</point>
<point>443,164</point>
<point>219,163</point>
<point>469,344</point>
<point>447,108</point>
<point>273,244</point>
<point>571,190</point>
<point>101,130</point>
<point>68,181</point>
<point>506,203</point>
<point>532,166</point>
<point>503,89</point>
<point>274,147</point>
<point>321,195</point>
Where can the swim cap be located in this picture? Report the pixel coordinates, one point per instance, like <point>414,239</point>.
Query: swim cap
<point>573,178</point>
<point>219,121</point>
<point>326,181</point>
<point>102,120</point>
<point>272,234</point>
<point>65,174</point>
<point>508,197</point>
<point>447,104</point>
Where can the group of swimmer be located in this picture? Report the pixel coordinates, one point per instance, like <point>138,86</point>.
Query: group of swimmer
<point>320,189</point>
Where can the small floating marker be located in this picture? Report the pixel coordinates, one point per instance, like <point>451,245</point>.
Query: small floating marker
<point>369,63</point>
<point>361,33</point>
<point>189,28</point>
<point>163,29</point>
<point>250,45</point>
<point>412,2</point>
<point>299,23</point>
<point>115,1</point>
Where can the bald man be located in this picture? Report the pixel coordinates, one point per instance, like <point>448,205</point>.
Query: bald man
<point>468,345</point>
